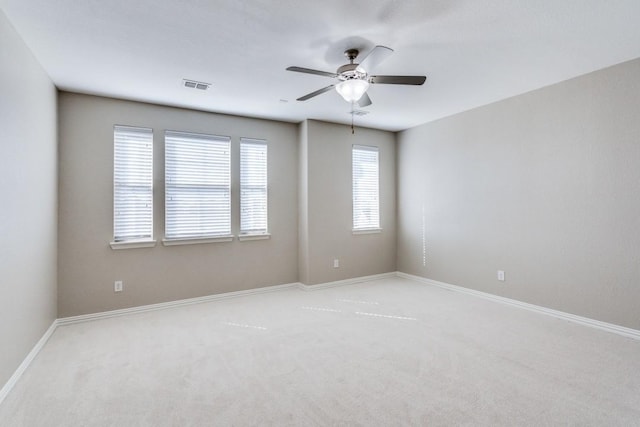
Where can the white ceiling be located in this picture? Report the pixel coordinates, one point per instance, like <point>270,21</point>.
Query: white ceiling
<point>474,52</point>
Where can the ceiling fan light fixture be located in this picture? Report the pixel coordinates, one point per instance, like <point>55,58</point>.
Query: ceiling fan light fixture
<point>352,90</point>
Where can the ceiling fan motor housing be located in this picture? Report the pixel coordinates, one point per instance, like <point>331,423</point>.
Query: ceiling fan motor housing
<point>351,72</point>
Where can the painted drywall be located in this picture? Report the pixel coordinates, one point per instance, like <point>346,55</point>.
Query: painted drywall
<point>87,264</point>
<point>544,186</point>
<point>303,203</point>
<point>329,205</point>
<point>28,184</point>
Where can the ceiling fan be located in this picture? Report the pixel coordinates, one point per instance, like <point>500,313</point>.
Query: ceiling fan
<point>354,79</point>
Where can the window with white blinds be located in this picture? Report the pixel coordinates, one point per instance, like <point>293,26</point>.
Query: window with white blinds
<point>132,184</point>
<point>197,186</point>
<point>253,186</point>
<point>366,199</point>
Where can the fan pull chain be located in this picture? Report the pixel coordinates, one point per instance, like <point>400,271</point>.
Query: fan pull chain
<point>353,131</point>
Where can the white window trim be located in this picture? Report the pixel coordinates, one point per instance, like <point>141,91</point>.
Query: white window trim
<point>197,240</point>
<point>140,241</point>
<point>367,230</point>
<point>254,232</point>
<point>187,240</point>
<point>261,236</point>
<point>132,244</point>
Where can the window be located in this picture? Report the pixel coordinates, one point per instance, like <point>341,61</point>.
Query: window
<point>366,200</point>
<point>197,186</point>
<point>132,184</point>
<point>253,186</point>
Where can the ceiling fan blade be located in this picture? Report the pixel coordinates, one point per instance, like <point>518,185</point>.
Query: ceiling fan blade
<point>364,101</point>
<point>316,93</point>
<point>398,80</point>
<point>310,71</point>
<point>375,57</point>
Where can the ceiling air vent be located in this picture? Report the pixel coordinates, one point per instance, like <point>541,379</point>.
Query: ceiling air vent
<point>358,112</point>
<point>193,84</point>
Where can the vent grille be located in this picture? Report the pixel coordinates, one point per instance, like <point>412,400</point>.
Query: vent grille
<point>193,84</point>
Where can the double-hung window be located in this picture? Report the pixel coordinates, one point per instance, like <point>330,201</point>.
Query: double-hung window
<point>132,186</point>
<point>365,182</point>
<point>197,186</point>
<point>253,187</point>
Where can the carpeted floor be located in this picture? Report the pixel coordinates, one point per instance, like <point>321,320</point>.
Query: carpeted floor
<point>382,353</point>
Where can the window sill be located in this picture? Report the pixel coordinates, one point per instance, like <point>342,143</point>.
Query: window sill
<point>367,231</point>
<point>261,236</point>
<point>132,244</point>
<point>197,241</point>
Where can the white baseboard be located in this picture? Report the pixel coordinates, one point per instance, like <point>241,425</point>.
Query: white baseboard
<point>208,298</point>
<point>27,361</point>
<point>171,304</point>
<point>346,281</point>
<point>609,327</point>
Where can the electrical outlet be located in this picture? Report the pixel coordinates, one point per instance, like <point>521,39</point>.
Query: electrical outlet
<point>501,275</point>
<point>336,263</point>
<point>117,286</point>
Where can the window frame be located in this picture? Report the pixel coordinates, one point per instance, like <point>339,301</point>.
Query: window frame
<point>196,161</point>
<point>254,233</point>
<point>374,226</point>
<point>132,183</point>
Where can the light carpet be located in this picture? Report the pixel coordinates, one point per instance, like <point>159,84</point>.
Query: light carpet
<point>381,353</point>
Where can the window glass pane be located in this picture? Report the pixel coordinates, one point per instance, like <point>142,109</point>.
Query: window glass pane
<point>366,205</point>
<point>253,186</point>
<point>132,184</point>
<point>197,185</point>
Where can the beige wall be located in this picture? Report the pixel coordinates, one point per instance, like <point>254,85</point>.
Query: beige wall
<point>329,205</point>
<point>303,203</point>
<point>545,186</point>
<point>28,184</point>
<point>309,210</point>
<point>88,266</point>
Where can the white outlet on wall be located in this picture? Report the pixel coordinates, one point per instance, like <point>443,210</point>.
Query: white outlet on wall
<point>117,286</point>
<point>336,263</point>
<point>501,275</point>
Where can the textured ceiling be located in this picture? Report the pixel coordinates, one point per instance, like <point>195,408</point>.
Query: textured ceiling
<point>474,52</point>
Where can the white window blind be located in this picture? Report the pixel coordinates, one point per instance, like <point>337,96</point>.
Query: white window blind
<point>253,186</point>
<point>197,185</point>
<point>132,184</point>
<point>366,200</point>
